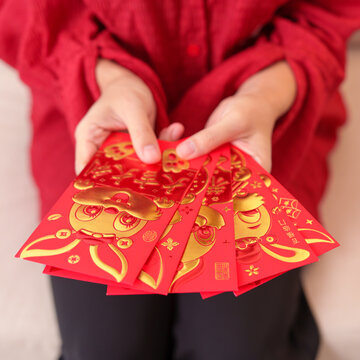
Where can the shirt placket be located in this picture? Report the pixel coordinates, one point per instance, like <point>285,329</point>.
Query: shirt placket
<point>194,39</point>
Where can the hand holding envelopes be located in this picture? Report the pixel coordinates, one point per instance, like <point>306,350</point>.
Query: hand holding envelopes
<point>209,225</point>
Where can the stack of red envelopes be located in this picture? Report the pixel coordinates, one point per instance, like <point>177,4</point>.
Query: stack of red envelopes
<point>213,224</point>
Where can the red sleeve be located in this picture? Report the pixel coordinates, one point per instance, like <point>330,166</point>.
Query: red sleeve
<point>55,45</point>
<point>311,36</point>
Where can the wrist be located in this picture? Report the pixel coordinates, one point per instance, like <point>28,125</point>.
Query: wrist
<point>274,88</point>
<point>108,71</point>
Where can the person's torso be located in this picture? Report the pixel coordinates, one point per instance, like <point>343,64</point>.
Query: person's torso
<point>183,40</point>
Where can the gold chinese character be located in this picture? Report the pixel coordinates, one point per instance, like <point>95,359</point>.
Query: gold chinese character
<point>222,271</point>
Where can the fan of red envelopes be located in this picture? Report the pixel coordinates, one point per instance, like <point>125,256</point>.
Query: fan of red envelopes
<point>209,225</point>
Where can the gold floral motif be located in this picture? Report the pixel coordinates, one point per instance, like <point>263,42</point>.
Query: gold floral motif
<point>170,244</point>
<point>252,270</point>
<point>256,185</point>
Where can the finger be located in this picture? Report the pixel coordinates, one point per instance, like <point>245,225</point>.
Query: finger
<point>172,133</point>
<point>91,132</point>
<point>207,140</point>
<point>142,136</point>
<point>85,149</point>
<point>103,118</point>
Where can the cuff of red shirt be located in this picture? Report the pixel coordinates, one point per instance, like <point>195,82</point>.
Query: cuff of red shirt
<point>78,83</point>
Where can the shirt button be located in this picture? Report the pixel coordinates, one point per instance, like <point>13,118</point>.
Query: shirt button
<point>193,50</point>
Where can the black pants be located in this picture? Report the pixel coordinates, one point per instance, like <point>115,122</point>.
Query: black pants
<point>272,322</point>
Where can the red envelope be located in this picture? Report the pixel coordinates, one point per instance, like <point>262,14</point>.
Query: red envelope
<point>300,219</point>
<point>160,268</point>
<point>208,262</point>
<point>314,234</point>
<point>109,219</point>
<point>267,243</point>
<point>49,270</point>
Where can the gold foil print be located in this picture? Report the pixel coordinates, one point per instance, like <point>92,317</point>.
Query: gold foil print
<point>211,216</point>
<point>83,184</point>
<point>164,203</point>
<point>124,243</point>
<point>150,236</point>
<point>118,276</point>
<point>54,217</point>
<point>170,244</point>
<point>326,239</point>
<point>27,252</point>
<point>248,202</point>
<point>63,233</point>
<point>119,151</point>
<point>172,163</point>
<point>266,179</point>
<point>148,279</point>
<point>222,271</point>
<point>252,270</point>
<point>298,254</point>
<point>187,267</point>
<point>73,259</point>
<point>127,200</point>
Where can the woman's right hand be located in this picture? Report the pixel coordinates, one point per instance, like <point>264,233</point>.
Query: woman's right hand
<point>125,103</point>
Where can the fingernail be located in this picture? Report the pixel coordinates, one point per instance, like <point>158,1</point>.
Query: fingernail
<point>186,149</point>
<point>175,132</point>
<point>150,153</point>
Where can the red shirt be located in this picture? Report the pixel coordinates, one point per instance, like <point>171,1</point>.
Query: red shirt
<point>191,54</point>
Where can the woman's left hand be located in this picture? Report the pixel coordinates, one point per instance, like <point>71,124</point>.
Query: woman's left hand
<point>247,118</point>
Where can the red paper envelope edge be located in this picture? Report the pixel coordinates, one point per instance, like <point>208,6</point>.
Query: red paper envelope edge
<point>242,289</point>
<point>49,270</point>
<point>267,243</point>
<point>208,262</point>
<point>113,290</point>
<point>248,287</point>
<point>312,231</point>
<point>208,294</point>
<point>114,210</point>
<point>67,274</point>
<point>158,272</point>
